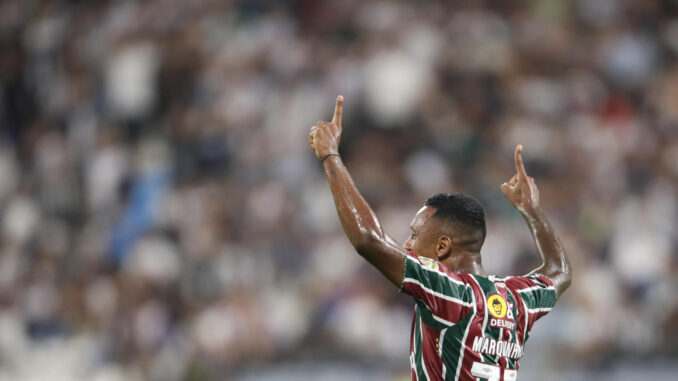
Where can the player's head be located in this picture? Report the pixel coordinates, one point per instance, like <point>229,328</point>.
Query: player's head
<point>448,223</point>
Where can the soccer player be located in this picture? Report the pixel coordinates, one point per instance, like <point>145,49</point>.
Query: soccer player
<point>467,325</point>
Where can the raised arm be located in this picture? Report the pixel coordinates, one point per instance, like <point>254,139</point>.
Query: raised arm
<point>522,192</point>
<point>357,218</point>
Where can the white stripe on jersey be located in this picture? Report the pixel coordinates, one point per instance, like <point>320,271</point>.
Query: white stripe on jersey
<point>423,362</point>
<point>537,310</point>
<point>441,338</point>
<point>533,288</point>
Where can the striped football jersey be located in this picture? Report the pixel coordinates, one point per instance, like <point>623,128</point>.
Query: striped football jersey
<point>469,327</point>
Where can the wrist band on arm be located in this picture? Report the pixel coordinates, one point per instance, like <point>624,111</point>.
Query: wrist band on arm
<point>328,155</point>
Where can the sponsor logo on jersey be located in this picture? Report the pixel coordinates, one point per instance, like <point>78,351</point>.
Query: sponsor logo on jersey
<point>496,305</point>
<point>502,323</point>
<point>502,312</point>
<point>430,263</point>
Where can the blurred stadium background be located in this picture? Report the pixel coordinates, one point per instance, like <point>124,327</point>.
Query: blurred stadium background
<point>162,217</point>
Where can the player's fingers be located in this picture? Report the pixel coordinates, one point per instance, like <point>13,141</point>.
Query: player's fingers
<point>311,141</point>
<point>533,185</point>
<point>512,182</point>
<point>519,162</point>
<point>338,110</point>
<point>508,191</point>
<point>509,185</point>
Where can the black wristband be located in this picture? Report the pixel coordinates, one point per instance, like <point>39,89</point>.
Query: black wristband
<point>328,155</point>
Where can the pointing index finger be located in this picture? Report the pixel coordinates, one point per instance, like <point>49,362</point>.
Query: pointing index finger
<point>519,162</point>
<point>338,110</point>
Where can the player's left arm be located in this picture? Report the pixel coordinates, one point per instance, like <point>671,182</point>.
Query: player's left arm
<point>522,192</point>
<point>357,218</point>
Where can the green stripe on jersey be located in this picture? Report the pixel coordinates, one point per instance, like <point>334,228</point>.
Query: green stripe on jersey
<point>539,298</point>
<point>427,316</point>
<point>436,281</point>
<point>453,344</point>
<point>418,356</point>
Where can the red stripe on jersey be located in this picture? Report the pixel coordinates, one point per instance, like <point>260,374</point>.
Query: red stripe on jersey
<point>533,316</point>
<point>522,316</point>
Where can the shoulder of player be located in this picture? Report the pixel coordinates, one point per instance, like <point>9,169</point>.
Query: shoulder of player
<point>434,266</point>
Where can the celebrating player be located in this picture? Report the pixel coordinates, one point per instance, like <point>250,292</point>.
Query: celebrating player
<point>467,325</point>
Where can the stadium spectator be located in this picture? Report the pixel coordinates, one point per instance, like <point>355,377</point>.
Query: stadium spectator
<point>161,217</point>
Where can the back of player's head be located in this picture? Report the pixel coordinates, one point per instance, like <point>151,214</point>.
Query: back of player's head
<point>463,216</point>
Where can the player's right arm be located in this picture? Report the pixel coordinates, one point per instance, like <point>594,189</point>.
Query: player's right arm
<point>522,192</point>
<point>357,218</point>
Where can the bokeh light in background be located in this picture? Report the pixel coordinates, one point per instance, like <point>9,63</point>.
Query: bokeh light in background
<point>162,217</point>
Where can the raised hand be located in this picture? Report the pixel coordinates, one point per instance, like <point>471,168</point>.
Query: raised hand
<point>521,191</point>
<point>325,136</point>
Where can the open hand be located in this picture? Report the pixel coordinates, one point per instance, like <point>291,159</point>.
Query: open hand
<point>325,136</point>
<point>521,191</point>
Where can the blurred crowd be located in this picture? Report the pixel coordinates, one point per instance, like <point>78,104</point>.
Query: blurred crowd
<point>163,218</point>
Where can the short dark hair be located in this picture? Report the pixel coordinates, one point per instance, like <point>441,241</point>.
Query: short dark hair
<point>460,209</point>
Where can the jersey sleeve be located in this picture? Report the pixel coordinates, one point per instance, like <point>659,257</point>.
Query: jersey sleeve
<point>448,296</point>
<point>536,291</point>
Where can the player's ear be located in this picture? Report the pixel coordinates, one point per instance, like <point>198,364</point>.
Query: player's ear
<point>444,247</point>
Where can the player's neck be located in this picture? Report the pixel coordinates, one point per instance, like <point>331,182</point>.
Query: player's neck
<point>465,263</point>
